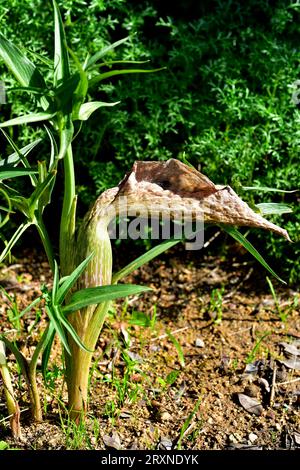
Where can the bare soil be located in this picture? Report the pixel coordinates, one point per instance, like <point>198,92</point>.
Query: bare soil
<point>198,363</point>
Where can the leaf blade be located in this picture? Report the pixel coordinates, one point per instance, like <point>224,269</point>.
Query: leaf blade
<point>97,295</point>
<point>143,259</point>
<point>234,233</point>
<point>28,118</point>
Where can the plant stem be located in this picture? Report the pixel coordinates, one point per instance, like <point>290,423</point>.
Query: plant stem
<point>34,393</point>
<point>78,376</point>
<point>12,405</point>
<point>66,235</point>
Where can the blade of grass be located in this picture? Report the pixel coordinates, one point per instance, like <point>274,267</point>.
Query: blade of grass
<point>143,259</point>
<point>234,233</point>
<point>178,348</point>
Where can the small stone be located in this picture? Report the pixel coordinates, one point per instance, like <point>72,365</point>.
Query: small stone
<point>165,416</point>
<point>252,437</point>
<point>199,343</point>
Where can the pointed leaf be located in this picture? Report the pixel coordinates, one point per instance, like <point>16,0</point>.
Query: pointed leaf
<point>28,308</point>
<point>87,109</point>
<point>266,189</point>
<point>15,157</point>
<point>82,87</point>
<point>273,208</point>
<point>92,60</point>
<point>18,233</point>
<point>7,210</point>
<point>97,295</point>
<point>23,69</point>
<point>112,62</point>
<point>71,279</point>
<point>145,258</point>
<point>14,172</point>
<point>114,73</point>
<point>47,349</point>
<point>55,283</point>
<point>234,233</point>
<point>33,117</point>
<point>19,155</point>
<point>71,331</point>
<point>61,58</point>
<point>38,193</point>
<point>66,136</point>
<point>54,149</point>
<point>58,327</point>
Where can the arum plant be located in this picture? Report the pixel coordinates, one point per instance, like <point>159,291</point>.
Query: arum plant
<point>83,279</point>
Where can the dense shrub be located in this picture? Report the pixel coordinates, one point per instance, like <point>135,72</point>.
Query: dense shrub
<point>224,100</point>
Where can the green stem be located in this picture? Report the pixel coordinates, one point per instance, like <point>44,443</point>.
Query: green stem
<point>34,393</point>
<point>78,377</point>
<point>66,235</point>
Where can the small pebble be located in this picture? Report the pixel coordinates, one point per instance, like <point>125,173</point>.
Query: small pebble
<point>199,343</point>
<point>252,437</point>
<point>165,416</point>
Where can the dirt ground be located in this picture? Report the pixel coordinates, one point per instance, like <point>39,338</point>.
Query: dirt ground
<point>208,360</point>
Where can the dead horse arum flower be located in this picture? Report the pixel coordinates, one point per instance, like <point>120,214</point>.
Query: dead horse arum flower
<point>171,186</point>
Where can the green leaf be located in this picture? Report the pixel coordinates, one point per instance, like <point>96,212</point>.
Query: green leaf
<point>187,423</point>
<point>52,314</point>
<point>266,189</point>
<point>234,233</point>
<point>18,233</point>
<point>140,319</point>
<point>3,445</point>
<point>112,62</point>
<point>47,349</point>
<point>38,195</point>
<point>19,154</point>
<point>114,73</point>
<point>87,109</point>
<point>33,117</point>
<point>178,348</point>
<point>28,308</point>
<point>48,179</point>
<point>82,87</point>
<point>61,58</point>
<point>14,172</point>
<point>145,258</point>
<point>54,149</point>
<point>71,330</point>
<point>66,136</point>
<point>98,55</point>
<point>23,69</point>
<point>172,377</point>
<point>55,282</point>
<point>273,208</point>
<point>71,279</point>
<point>7,210</point>
<point>97,295</point>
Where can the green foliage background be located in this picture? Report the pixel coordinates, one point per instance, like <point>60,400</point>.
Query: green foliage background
<point>224,100</point>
